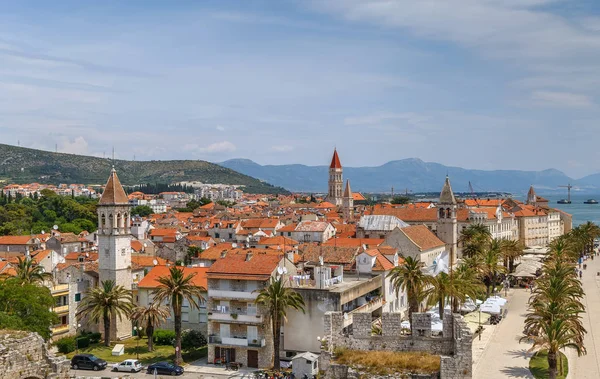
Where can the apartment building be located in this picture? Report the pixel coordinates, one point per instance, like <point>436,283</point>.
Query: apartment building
<point>238,330</point>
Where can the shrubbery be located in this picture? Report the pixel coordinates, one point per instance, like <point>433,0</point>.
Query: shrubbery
<point>82,341</point>
<point>192,339</point>
<point>66,345</point>
<point>164,337</point>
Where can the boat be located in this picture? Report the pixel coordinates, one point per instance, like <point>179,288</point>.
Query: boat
<point>564,201</point>
<point>590,201</point>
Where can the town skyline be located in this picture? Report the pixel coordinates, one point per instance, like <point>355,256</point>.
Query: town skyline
<point>286,83</point>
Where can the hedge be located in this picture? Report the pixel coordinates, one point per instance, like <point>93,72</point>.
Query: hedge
<point>65,345</point>
<point>164,337</point>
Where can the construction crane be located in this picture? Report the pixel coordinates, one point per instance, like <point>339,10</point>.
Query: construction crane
<point>568,201</point>
<point>472,190</point>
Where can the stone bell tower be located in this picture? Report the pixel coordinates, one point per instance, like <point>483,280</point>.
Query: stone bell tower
<point>447,226</point>
<point>114,244</point>
<point>335,180</point>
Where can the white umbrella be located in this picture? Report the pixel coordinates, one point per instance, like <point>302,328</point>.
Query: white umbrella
<point>500,300</point>
<point>490,308</point>
<point>437,326</point>
<point>405,325</point>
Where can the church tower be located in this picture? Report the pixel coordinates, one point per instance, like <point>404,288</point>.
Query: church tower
<point>335,180</point>
<point>348,202</point>
<point>531,196</point>
<point>447,226</point>
<point>114,244</point>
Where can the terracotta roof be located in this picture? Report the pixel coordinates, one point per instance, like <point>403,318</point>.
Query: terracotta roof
<point>331,254</point>
<point>163,232</point>
<point>277,241</point>
<point>15,240</point>
<point>335,160</point>
<point>113,191</point>
<point>382,263</point>
<point>260,223</point>
<point>354,242</point>
<point>137,245</point>
<point>325,205</point>
<point>357,196</point>
<point>312,226</point>
<point>421,236</point>
<point>150,280</point>
<point>483,202</point>
<point>145,261</point>
<point>288,228</point>
<point>236,264</point>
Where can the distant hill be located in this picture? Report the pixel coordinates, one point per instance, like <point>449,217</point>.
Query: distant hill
<point>23,165</point>
<point>412,174</point>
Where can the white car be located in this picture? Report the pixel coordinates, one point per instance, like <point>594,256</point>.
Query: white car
<point>128,365</point>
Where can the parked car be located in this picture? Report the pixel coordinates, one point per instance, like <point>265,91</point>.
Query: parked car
<point>128,365</point>
<point>165,368</point>
<point>87,362</point>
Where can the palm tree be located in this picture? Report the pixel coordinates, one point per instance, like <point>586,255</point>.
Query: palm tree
<point>474,238</point>
<point>151,315</point>
<point>511,250</point>
<point>105,303</point>
<point>409,277</point>
<point>30,273</point>
<point>490,268</point>
<point>174,289</point>
<point>441,287</point>
<point>554,318</point>
<point>276,298</point>
<point>465,283</point>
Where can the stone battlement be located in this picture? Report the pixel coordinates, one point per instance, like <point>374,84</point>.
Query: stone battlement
<point>454,345</point>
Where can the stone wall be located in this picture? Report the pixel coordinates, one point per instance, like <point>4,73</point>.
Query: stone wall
<point>25,355</point>
<point>454,345</point>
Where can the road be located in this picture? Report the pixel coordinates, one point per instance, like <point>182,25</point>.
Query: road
<point>505,357</point>
<point>142,375</point>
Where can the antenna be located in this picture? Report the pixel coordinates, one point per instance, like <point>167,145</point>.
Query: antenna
<point>113,155</point>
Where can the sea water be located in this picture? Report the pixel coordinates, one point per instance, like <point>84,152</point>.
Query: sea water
<point>581,212</point>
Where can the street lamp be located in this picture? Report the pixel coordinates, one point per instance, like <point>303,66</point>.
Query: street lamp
<point>76,326</point>
<point>137,329</point>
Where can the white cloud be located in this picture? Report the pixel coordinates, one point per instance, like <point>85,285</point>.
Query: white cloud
<point>220,128</point>
<point>561,99</point>
<point>282,148</point>
<point>78,145</point>
<point>218,147</point>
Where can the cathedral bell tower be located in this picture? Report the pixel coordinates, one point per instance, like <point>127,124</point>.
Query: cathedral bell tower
<point>114,244</point>
<point>447,226</point>
<point>348,202</point>
<point>335,180</point>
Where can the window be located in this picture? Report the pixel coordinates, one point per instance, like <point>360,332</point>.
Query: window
<point>230,235</point>
<point>77,297</point>
<point>217,235</point>
<point>185,317</point>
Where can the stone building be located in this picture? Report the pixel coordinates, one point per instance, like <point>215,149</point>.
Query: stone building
<point>336,182</point>
<point>114,244</point>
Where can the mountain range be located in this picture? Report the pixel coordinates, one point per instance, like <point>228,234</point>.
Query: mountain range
<point>23,165</point>
<point>414,175</point>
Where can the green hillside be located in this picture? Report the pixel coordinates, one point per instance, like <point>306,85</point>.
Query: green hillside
<point>23,165</point>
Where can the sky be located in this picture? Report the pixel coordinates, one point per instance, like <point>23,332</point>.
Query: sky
<point>486,84</point>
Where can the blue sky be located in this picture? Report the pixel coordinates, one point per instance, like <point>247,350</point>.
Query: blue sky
<point>485,84</point>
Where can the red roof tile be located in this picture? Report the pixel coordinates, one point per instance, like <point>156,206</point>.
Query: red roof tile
<point>150,280</point>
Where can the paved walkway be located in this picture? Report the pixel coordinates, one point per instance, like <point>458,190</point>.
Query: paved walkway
<point>588,365</point>
<point>504,356</point>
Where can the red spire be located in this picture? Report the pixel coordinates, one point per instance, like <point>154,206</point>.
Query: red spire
<point>335,161</point>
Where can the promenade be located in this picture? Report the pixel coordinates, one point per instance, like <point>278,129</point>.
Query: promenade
<point>500,355</point>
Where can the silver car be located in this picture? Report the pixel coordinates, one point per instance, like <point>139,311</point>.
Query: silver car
<point>128,365</point>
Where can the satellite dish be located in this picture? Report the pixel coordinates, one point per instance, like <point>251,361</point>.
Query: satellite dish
<point>55,227</point>
<point>345,316</point>
<point>285,270</point>
<point>279,270</point>
<point>145,244</point>
<point>321,260</point>
<point>43,232</point>
<point>234,245</point>
<point>87,255</point>
<point>154,262</point>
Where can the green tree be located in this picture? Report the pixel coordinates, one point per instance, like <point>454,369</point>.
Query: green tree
<point>276,298</point>
<point>142,210</point>
<point>104,303</point>
<point>490,264</point>
<point>30,273</point>
<point>174,289</point>
<point>151,316</point>
<point>474,238</point>
<point>400,200</point>
<point>26,306</point>
<point>409,277</point>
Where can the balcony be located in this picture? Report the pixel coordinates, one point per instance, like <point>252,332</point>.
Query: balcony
<point>60,329</point>
<point>60,289</point>
<point>235,316</point>
<point>232,294</point>
<point>237,341</point>
<point>61,309</point>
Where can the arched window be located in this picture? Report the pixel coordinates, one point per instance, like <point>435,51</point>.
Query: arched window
<point>448,213</point>
<point>103,221</point>
<point>442,213</point>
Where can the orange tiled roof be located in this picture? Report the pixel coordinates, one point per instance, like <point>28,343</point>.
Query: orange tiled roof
<point>357,196</point>
<point>335,160</point>
<point>144,261</point>
<point>382,263</point>
<point>354,242</point>
<point>277,241</point>
<point>151,279</point>
<point>422,237</point>
<point>15,240</point>
<point>259,265</point>
<point>137,245</point>
<point>331,254</point>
